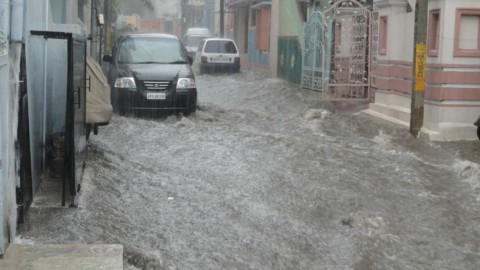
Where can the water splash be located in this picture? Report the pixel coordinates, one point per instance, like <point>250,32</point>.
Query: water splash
<point>468,172</point>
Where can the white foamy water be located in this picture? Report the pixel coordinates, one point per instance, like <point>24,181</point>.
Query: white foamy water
<point>267,176</point>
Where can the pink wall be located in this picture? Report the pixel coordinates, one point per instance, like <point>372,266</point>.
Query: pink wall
<point>454,84</point>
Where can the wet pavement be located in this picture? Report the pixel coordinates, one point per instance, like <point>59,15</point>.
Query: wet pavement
<point>266,175</point>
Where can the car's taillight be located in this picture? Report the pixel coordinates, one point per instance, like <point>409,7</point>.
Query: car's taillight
<point>237,60</point>
<point>204,59</point>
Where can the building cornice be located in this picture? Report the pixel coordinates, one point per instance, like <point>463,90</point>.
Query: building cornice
<point>391,3</point>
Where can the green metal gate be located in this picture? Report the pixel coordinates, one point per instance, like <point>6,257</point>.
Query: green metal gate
<point>315,43</point>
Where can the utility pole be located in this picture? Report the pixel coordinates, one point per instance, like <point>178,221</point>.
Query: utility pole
<point>222,18</point>
<point>419,66</point>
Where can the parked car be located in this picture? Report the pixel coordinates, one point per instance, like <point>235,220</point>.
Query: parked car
<point>192,39</point>
<point>151,73</point>
<point>218,54</point>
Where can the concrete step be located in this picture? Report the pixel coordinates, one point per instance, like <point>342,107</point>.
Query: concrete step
<point>396,114</point>
<point>62,256</point>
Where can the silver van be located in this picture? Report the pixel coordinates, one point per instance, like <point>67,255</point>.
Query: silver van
<point>192,39</point>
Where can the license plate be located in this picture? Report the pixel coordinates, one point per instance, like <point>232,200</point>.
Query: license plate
<point>155,95</point>
<point>220,59</point>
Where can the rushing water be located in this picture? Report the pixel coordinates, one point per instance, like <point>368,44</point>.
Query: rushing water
<point>266,176</point>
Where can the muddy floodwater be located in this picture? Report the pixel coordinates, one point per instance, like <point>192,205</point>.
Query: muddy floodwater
<point>266,175</point>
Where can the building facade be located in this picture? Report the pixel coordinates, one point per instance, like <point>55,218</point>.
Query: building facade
<point>452,92</point>
<point>271,37</point>
<point>33,72</point>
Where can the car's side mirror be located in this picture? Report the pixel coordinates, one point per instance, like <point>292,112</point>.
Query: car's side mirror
<point>190,60</point>
<point>107,58</point>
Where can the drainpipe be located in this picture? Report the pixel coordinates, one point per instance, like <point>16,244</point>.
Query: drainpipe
<point>45,78</point>
<point>93,30</point>
<point>5,156</point>
<point>222,18</point>
<point>16,40</point>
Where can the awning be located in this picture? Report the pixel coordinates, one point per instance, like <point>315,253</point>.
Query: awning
<point>262,5</point>
<point>238,2</point>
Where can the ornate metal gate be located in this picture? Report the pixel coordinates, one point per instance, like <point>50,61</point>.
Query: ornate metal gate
<point>337,51</point>
<point>314,38</point>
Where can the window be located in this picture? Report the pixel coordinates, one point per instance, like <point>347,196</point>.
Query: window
<point>220,46</point>
<point>433,32</point>
<point>467,33</point>
<point>382,42</point>
<point>151,50</point>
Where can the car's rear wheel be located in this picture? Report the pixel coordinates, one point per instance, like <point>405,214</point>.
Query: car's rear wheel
<point>121,111</point>
<point>236,69</point>
<point>201,70</point>
<point>88,129</point>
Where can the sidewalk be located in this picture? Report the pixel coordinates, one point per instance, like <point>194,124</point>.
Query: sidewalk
<point>38,256</point>
<point>62,257</point>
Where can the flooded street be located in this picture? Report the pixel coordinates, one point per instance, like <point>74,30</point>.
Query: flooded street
<point>266,176</point>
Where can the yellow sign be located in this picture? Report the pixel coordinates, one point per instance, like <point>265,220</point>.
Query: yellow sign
<point>420,66</point>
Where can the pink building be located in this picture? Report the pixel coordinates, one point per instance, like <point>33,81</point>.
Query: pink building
<point>452,93</point>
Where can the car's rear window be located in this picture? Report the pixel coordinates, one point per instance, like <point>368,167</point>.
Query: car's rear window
<point>135,50</point>
<point>220,46</point>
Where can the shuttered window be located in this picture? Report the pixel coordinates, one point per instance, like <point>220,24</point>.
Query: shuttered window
<point>263,28</point>
<point>433,32</point>
<point>467,33</point>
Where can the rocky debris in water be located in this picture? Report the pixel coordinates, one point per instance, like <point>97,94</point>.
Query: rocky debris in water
<point>317,114</point>
<point>369,225</point>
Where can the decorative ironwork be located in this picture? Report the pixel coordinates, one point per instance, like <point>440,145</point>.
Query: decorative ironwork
<point>338,51</point>
<point>313,53</point>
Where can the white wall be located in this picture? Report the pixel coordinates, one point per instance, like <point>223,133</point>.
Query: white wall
<point>10,53</point>
<point>47,73</point>
<point>400,29</point>
<point>446,119</point>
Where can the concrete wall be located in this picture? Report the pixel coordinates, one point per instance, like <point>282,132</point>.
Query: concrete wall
<point>5,160</point>
<point>46,72</point>
<point>11,26</point>
<point>289,19</point>
<point>452,96</point>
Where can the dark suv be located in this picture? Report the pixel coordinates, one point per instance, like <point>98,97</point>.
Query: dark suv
<point>151,73</point>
